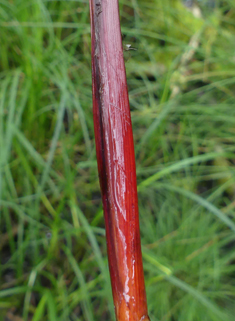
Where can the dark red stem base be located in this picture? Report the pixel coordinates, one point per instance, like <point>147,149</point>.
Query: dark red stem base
<point>116,162</point>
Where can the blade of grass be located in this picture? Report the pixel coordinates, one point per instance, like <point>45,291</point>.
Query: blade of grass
<point>85,302</point>
<point>210,207</point>
<point>181,165</point>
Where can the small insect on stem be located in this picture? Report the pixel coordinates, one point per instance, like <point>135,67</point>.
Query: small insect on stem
<point>128,47</point>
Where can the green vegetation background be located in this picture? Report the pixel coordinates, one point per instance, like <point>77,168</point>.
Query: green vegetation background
<point>182,94</point>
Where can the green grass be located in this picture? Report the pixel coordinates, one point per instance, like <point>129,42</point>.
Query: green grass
<point>181,84</point>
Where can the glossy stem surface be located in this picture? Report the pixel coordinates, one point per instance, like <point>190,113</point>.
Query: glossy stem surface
<point>116,162</point>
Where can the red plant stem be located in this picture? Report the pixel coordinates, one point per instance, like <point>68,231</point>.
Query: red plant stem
<point>116,162</point>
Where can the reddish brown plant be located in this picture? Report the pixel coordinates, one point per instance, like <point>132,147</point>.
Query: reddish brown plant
<point>116,162</point>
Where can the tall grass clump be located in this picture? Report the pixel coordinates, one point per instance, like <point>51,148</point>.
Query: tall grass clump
<point>181,89</point>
